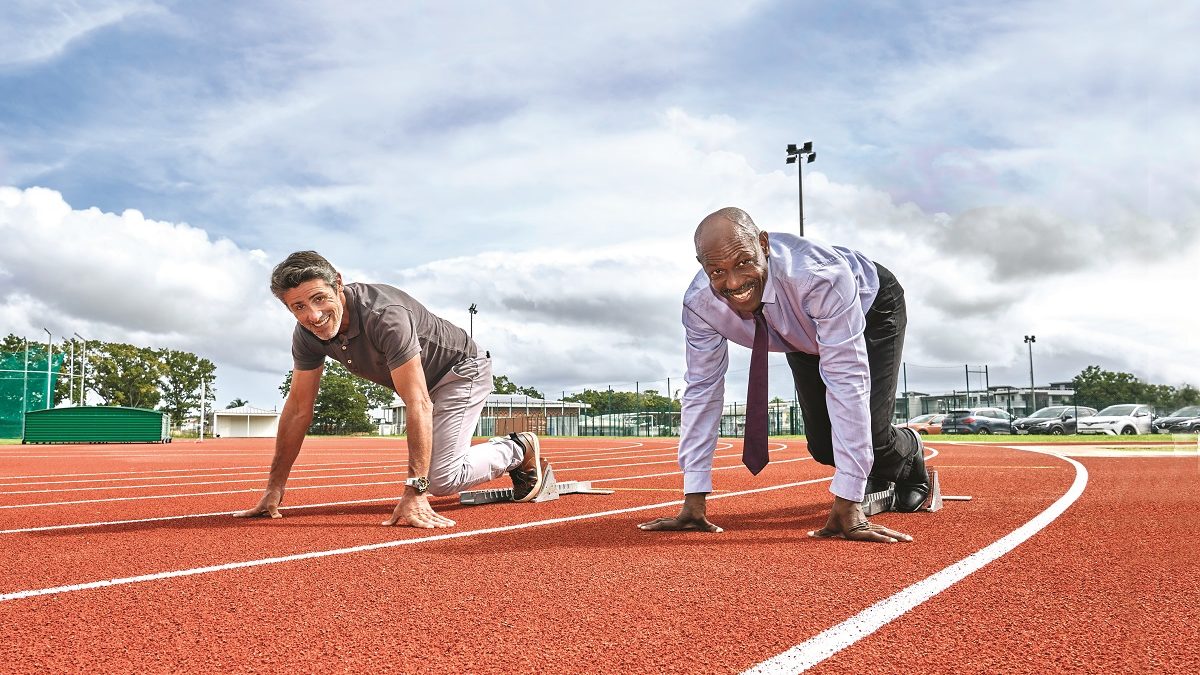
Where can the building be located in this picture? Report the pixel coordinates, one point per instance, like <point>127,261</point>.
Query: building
<point>1013,399</point>
<point>503,414</point>
<point>244,422</point>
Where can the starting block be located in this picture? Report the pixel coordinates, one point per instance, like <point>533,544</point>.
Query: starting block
<point>550,492</point>
<point>878,502</point>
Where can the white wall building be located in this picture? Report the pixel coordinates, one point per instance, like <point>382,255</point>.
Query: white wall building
<point>245,422</point>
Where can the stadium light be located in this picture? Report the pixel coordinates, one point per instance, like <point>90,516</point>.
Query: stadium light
<point>472,311</point>
<point>83,374</point>
<point>800,155</point>
<point>49,358</point>
<point>1029,340</point>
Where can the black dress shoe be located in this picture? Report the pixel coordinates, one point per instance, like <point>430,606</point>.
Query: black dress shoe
<point>914,488</point>
<point>877,485</point>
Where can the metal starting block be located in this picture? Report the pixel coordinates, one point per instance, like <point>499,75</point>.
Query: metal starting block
<point>878,502</point>
<point>551,491</point>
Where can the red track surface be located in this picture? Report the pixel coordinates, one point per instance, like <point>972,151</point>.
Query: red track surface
<point>1108,586</point>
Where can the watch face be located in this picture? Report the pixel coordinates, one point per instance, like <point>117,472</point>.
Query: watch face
<point>420,484</point>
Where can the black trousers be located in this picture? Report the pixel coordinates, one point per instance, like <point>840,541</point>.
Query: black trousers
<point>884,334</point>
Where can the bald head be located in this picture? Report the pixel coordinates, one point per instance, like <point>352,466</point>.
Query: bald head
<point>733,253</point>
<point>723,226</point>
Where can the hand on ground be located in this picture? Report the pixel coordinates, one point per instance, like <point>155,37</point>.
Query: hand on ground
<point>415,511</point>
<point>267,506</point>
<point>846,520</point>
<point>692,516</point>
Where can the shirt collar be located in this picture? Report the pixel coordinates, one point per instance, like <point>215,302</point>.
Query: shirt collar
<point>351,310</point>
<point>768,296</point>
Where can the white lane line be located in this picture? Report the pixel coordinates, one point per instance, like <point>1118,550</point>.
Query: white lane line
<point>258,479</point>
<point>214,514</point>
<point>664,461</point>
<point>225,492</point>
<point>263,467</point>
<point>833,640</point>
<point>677,473</point>
<point>193,494</point>
<point>73,526</point>
<point>174,574</point>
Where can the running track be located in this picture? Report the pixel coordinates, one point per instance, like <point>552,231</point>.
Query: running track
<point>120,558</point>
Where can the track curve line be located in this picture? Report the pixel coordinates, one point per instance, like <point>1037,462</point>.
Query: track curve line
<point>833,640</point>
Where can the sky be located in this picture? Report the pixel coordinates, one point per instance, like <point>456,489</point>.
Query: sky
<point>1024,168</point>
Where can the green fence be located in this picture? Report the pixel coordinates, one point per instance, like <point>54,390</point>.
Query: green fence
<point>23,387</point>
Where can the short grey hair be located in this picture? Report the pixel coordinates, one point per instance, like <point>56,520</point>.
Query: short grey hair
<point>298,268</point>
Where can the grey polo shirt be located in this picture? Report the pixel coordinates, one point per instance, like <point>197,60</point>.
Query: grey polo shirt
<point>387,328</point>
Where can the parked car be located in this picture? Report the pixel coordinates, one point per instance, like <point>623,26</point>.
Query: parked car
<point>1187,426</point>
<point>977,421</point>
<point>1177,422</point>
<point>1054,420</point>
<point>930,423</point>
<point>1123,419</point>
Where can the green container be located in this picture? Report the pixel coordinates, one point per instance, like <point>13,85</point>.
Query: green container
<point>96,424</point>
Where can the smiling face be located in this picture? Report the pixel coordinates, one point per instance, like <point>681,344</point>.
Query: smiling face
<point>735,262</point>
<point>319,307</point>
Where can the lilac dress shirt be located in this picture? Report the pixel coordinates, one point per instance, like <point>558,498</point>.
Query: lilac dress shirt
<point>815,300</point>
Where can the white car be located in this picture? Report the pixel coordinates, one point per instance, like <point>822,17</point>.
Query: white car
<point>1125,419</point>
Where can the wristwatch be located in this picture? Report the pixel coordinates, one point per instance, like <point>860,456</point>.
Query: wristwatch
<point>419,483</point>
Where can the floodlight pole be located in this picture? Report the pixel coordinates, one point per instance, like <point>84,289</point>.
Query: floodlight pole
<point>71,377</point>
<point>83,373</point>
<point>1029,340</point>
<point>49,358</point>
<point>797,155</point>
<point>472,311</point>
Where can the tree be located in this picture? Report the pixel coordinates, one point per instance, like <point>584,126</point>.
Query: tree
<point>123,374</point>
<point>236,403</point>
<point>343,400</point>
<point>1101,388</point>
<point>182,375</point>
<point>609,401</point>
<point>502,385</point>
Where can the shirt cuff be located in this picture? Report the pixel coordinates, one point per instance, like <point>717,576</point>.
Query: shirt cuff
<point>698,481</point>
<point>847,486</point>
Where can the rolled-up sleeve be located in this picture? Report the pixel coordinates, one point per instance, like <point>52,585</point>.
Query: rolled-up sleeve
<point>833,303</point>
<point>700,416</point>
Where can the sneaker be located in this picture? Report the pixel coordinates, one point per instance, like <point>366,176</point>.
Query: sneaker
<point>529,475</point>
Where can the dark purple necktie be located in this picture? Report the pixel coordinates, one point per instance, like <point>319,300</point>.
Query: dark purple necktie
<point>754,444</point>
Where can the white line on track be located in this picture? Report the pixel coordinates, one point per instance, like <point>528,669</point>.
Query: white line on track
<point>263,467</point>
<point>194,494</point>
<point>833,640</point>
<point>73,526</point>
<point>257,479</point>
<point>174,574</point>
<point>225,492</point>
<point>46,528</point>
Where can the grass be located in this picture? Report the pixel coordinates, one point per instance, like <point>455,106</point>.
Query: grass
<point>10,441</point>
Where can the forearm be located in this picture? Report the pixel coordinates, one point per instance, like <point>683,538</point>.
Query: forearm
<point>420,438</point>
<point>293,426</point>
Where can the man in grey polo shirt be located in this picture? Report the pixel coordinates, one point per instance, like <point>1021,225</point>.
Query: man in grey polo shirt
<point>382,334</point>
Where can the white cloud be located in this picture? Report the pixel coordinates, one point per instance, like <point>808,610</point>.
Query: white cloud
<point>127,278</point>
<point>34,30</point>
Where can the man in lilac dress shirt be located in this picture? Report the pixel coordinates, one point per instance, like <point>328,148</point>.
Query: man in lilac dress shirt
<point>840,318</point>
